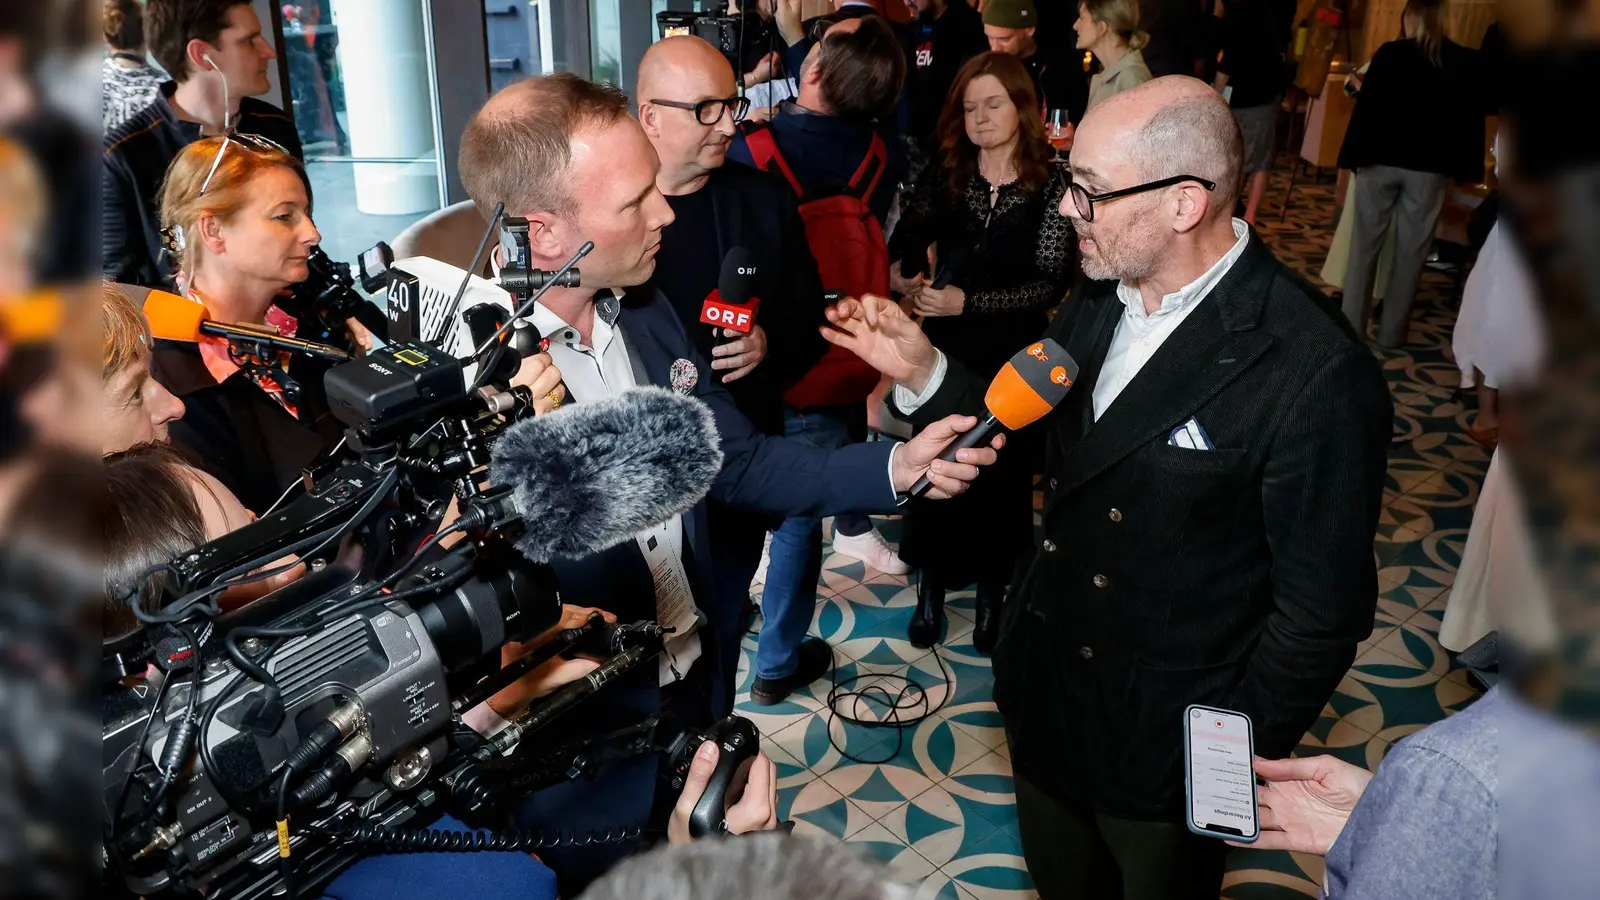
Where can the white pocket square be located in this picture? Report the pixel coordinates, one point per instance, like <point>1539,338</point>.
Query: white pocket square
<point>1190,436</point>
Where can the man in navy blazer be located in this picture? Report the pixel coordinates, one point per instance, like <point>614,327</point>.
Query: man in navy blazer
<point>565,154</point>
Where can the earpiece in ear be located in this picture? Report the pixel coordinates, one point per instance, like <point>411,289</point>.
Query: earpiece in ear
<point>207,58</point>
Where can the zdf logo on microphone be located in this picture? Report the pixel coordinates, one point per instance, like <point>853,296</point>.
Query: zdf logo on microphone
<point>1059,375</point>
<point>1037,352</point>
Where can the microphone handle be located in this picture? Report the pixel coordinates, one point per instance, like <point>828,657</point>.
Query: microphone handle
<point>272,339</point>
<point>978,434</point>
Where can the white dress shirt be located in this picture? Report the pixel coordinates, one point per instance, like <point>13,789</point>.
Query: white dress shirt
<point>603,369</point>
<point>1138,336</point>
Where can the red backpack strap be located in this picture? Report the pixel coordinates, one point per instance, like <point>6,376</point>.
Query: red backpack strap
<point>765,154</point>
<point>876,160</point>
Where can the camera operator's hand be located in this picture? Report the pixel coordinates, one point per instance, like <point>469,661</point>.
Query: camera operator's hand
<point>571,617</point>
<point>787,15</point>
<point>741,355</point>
<point>359,334</point>
<point>762,73</point>
<point>558,672</point>
<point>538,373</point>
<point>757,809</point>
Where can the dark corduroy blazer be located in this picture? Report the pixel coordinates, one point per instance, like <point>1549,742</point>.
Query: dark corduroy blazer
<point>1241,577</point>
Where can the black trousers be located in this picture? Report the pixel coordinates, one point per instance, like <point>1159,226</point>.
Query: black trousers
<point>1078,854</point>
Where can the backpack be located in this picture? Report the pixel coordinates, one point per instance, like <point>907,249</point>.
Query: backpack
<point>852,258</point>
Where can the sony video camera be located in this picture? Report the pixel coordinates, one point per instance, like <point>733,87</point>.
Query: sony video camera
<point>275,744</point>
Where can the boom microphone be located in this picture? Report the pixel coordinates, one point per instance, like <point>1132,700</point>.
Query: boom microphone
<point>731,306</point>
<point>175,318</point>
<point>1029,386</point>
<point>590,476</point>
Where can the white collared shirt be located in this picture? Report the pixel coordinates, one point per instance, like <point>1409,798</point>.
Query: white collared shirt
<point>604,369</point>
<point>1139,335</point>
<point>1137,338</point>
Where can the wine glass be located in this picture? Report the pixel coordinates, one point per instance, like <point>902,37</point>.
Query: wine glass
<point>1059,130</point>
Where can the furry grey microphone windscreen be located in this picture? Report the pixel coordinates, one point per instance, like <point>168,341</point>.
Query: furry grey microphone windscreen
<point>591,475</point>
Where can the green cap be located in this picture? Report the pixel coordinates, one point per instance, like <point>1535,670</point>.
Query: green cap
<point>1010,14</point>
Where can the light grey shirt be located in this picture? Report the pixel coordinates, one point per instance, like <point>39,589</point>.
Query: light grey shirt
<point>1427,825</point>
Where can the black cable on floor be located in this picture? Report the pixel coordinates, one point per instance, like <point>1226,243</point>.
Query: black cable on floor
<point>901,706</point>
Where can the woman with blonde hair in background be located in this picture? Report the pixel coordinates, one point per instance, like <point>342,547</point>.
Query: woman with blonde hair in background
<point>1110,30</point>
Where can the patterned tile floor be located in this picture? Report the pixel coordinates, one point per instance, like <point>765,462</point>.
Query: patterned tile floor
<point>938,806</point>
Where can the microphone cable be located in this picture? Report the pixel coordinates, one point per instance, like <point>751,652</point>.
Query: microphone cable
<point>903,709</point>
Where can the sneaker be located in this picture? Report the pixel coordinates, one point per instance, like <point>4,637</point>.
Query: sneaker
<point>872,549</point>
<point>815,659</point>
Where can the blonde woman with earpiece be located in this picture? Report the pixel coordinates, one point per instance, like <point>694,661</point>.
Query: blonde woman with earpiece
<point>1110,30</point>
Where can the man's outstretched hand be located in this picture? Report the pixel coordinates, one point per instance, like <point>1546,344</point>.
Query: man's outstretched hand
<point>877,330</point>
<point>920,456</point>
<point>1306,802</point>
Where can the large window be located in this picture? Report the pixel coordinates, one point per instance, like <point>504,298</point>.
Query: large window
<point>361,79</point>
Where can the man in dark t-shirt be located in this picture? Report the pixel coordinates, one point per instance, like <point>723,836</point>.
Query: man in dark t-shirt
<point>689,109</point>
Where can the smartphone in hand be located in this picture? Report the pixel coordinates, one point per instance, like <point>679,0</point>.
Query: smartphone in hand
<point>1219,775</point>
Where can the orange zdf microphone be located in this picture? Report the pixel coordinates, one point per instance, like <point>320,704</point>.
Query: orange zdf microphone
<point>1031,384</point>
<point>731,305</point>
<point>175,318</point>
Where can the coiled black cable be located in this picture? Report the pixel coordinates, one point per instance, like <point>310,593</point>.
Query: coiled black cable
<point>384,839</point>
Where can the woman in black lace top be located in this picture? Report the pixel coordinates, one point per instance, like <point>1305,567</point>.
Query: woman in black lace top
<point>1004,255</point>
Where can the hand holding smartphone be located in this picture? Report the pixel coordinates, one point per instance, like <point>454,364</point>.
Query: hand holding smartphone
<point>1219,778</point>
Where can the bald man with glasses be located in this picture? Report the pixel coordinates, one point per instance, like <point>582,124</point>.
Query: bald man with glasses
<point>1212,487</point>
<point>689,108</point>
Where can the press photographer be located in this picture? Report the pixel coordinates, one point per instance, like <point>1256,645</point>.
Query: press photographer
<point>564,154</point>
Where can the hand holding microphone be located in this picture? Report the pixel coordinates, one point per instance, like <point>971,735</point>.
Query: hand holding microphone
<point>1026,389</point>
<point>732,308</point>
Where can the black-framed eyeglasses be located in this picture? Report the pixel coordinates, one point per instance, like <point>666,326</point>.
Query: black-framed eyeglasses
<point>710,112</point>
<point>1084,201</point>
<point>253,141</point>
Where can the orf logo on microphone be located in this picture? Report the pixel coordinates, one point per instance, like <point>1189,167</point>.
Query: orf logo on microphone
<point>1037,352</point>
<point>715,311</point>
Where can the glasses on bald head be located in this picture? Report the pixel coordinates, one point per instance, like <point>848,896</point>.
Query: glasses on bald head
<point>1084,202</point>
<point>710,112</point>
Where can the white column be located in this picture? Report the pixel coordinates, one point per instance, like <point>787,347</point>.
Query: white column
<point>389,106</point>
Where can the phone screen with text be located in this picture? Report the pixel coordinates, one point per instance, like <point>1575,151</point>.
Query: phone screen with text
<point>1222,797</point>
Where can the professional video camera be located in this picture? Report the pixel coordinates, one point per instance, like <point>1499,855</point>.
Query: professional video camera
<point>328,297</point>
<point>281,739</point>
<point>735,35</point>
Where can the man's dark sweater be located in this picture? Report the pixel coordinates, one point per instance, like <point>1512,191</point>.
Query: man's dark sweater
<point>137,154</point>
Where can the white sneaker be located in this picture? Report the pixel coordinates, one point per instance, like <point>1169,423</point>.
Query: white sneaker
<point>872,549</point>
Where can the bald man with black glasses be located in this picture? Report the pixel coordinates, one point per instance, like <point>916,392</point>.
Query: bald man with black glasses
<point>1212,487</point>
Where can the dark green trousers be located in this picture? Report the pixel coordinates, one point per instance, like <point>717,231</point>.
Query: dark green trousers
<point>1078,854</point>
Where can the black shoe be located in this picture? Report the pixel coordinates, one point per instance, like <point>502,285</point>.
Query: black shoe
<point>816,658</point>
<point>927,621</point>
<point>987,629</point>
